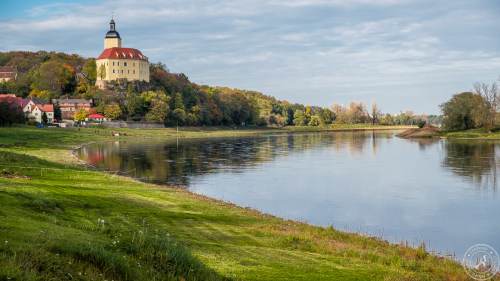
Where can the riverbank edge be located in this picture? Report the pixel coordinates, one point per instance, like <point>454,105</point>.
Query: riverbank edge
<point>473,134</point>
<point>134,134</point>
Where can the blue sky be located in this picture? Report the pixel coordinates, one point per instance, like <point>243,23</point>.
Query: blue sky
<point>403,55</point>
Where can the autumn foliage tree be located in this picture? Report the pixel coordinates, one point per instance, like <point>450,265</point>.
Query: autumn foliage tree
<point>55,77</point>
<point>464,111</point>
<point>112,111</point>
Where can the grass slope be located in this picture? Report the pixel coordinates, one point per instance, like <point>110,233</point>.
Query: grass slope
<point>473,134</point>
<point>59,221</point>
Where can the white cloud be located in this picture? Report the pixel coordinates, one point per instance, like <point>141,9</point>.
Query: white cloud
<point>312,51</point>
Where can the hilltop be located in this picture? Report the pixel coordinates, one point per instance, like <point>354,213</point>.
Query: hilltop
<point>172,99</point>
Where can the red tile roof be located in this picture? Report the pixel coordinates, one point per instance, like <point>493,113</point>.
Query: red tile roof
<point>11,98</point>
<point>46,107</point>
<point>122,53</point>
<point>96,116</point>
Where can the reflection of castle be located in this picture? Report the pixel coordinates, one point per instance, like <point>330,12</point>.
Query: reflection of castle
<point>116,62</point>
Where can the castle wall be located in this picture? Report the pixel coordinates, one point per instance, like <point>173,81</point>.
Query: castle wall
<point>123,69</point>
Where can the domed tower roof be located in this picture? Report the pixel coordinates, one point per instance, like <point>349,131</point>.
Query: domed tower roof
<point>112,33</point>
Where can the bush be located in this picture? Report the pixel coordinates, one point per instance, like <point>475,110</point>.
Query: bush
<point>10,113</point>
<point>421,123</point>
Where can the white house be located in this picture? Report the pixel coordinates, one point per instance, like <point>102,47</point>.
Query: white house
<point>35,111</point>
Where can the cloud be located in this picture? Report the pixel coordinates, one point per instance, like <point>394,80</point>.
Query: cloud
<point>342,3</point>
<point>404,54</point>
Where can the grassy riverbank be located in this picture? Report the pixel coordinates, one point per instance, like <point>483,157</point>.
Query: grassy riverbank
<point>59,221</point>
<point>473,134</point>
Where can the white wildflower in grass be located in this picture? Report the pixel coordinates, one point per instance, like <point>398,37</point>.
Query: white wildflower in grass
<point>6,242</point>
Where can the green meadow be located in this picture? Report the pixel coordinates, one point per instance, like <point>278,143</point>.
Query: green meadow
<point>61,220</point>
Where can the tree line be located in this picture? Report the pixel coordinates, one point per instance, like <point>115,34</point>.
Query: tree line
<point>172,99</point>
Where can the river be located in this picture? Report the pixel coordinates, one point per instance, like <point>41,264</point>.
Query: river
<point>440,192</point>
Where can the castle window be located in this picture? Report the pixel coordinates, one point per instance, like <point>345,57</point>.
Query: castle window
<point>113,63</point>
<point>122,71</point>
<point>118,63</point>
<point>134,71</point>
<point>125,63</point>
<point>113,71</point>
<point>128,71</point>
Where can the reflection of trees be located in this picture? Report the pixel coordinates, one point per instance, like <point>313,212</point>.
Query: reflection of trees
<point>424,143</point>
<point>167,162</point>
<point>475,160</point>
<point>174,163</point>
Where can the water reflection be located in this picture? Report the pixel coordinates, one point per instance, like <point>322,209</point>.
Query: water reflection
<point>373,182</point>
<point>176,162</point>
<point>474,161</point>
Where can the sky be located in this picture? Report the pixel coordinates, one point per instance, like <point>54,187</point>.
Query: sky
<point>402,55</point>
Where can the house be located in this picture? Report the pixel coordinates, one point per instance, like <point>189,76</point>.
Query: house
<point>29,104</point>
<point>116,62</point>
<point>34,109</point>
<point>70,106</point>
<point>38,111</point>
<point>96,117</point>
<point>7,73</point>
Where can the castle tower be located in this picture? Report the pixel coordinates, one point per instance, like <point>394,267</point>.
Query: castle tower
<point>118,63</point>
<point>112,38</point>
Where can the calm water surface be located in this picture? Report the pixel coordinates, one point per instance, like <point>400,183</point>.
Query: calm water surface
<point>443,193</point>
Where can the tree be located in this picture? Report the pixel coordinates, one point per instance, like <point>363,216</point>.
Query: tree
<point>387,119</point>
<point>299,118</point>
<point>491,96</point>
<point>464,111</point>
<point>90,71</point>
<point>356,113</point>
<point>375,114</point>
<point>80,115</point>
<point>158,111</point>
<point>179,116</point>
<point>45,120</point>
<point>102,72</point>
<point>54,76</point>
<point>326,116</point>
<point>57,112</point>
<point>112,111</point>
<point>340,113</point>
<point>41,94</point>
<point>10,113</point>
<point>315,121</point>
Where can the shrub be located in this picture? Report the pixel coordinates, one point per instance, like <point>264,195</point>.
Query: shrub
<point>421,123</point>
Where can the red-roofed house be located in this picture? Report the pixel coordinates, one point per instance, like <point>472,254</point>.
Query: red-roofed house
<point>34,109</point>
<point>116,62</point>
<point>96,117</point>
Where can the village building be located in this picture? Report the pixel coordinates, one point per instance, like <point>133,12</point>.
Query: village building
<point>7,73</point>
<point>116,62</point>
<point>96,117</point>
<point>39,110</point>
<point>34,110</point>
<point>69,107</point>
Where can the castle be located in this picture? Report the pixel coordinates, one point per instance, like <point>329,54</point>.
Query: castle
<point>116,62</point>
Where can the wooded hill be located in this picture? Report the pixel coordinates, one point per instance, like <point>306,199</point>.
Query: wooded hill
<point>170,97</point>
